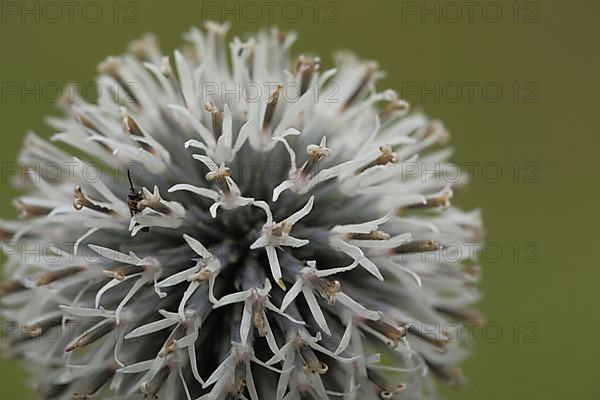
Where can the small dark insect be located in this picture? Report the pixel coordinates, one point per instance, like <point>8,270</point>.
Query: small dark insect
<point>134,196</point>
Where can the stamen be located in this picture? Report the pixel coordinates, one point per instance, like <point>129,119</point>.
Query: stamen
<point>82,201</point>
<point>217,119</point>
<point>232,395</point>
<point>220,177</point>
<point>51,390</point>
<point>170,348</point>
<point>142,48</point>
<point>394,107</point>
<point>57,275</point>
<point>258,313</point>
<point>372,235</point>
<point>129,124</point>
<point>395,335</point>
<point>438,340</point>
<point>307,68</point>
<point>387,156</point>
<point>201,276</point>
<point>327,289</point>
<point>315,154</point>
<point>171,345</point>
<point>96,383</point>
<point>41,327</point>
<point>165,67</point>
<point>152,387</point>
<point>240,378</point>
<point>111,67</point>
<point>271,105</point>
<point>436,127</point>
<point>451,375</point>
<point>29,211</point>
<point>470,315</point>
<point>87,123</point>
<point>386,389</point>
<point>92,335</point>
<point>441,201</point>
<point>154,202</point>
<point>311,362</point>
<point>120,273</point>
<point>418,246</point>
<point>133,128</point>
<point>282,229</point>
<point>11,287</point>
<point>366,79</point>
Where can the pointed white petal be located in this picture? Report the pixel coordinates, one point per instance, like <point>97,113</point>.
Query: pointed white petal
<point>150,328</point>
<point>197,246</point>
<point>291,294</point>
<point>208,193</point>
<point>303,212</point>
<point>233,298</point>
<point>315,309</point>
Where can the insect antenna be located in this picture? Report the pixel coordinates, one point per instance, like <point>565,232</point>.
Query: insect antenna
<point>130,180</point>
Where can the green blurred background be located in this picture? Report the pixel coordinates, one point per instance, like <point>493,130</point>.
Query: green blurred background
<point>518,90</point>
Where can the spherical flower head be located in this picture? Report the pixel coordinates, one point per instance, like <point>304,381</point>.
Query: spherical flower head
<point>259,228</point>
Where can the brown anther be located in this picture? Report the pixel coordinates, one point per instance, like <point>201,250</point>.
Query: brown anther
<point>201,276</point>
<point>240,378</point>
<point>327,289</point>
<point>470,315</point>
<point>82,201</point>
<point>11,287</point>
<point>29,211</point>
<point>112,67</point>
<point>271,105</point>
<point>315,154</point>
<point>307,68</point>
<point>170,348</point>
<point>165,67</point>
<point>372,235</point>
<point>120,273</point>
<point>57,275</point>
<point>220,177</point>
<point>142,47</point>
<point>217,119</point>
<point>386,389</point>
<point>68,95</point>
<point>364,82</point>
<point>96,383</point>
<point>441,201</point>
<point>394,107</point>
<point>154,202</point>
<point>438,340</point>
<point>311,362</point>
<point>40,327</point>
<point>153,386</point>
<point>436,127</point>
<point>387,156</point>
<point>92,335</point>
<point>417,246</point>
<point>130,125</point>
<point>87,123</point>
<point>282,229</point>
<point>258,318</point>
<point>473,271</point>
<point>451,375</point>
<point>394,335</point>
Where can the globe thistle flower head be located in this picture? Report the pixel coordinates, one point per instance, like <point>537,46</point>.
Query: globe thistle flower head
<point>252,236</point>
